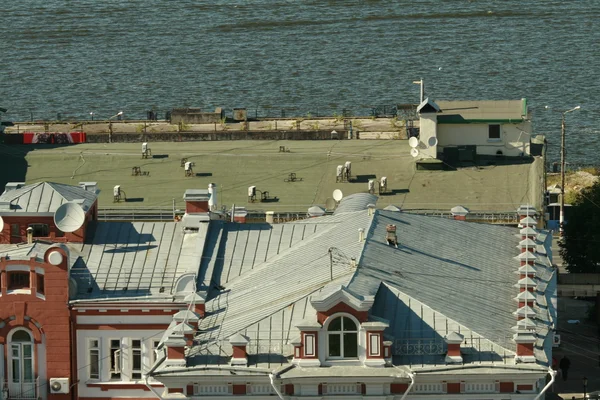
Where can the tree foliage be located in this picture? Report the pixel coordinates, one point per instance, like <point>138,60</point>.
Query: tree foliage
<point>580,247</point>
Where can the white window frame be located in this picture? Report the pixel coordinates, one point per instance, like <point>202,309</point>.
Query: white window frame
<point>341,334</point>
<point>480,387</point>
<point>213,390</point>
<point>98,348</point>
<point>430,387</point>
<point>374,344</point>
<point>132,356</point>
<point>116,359</point>
<point>9,348</point>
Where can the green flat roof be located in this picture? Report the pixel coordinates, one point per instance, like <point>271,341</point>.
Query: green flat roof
<point>235,165</point>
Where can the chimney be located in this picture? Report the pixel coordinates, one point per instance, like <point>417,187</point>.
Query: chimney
<point>239,214</point>
<point>353,263</point>
<point>197,301</point>
<point>175,348</point>
<point>525,211</point>
<point>196,201</point>
<point>187,316</point>
<point>528,233</point>
<point>454,340</point>
<point>459,213</point>
<point>527,245</point>
<point>239,354</point>
<point>270,217</point>
<point>29,235</point>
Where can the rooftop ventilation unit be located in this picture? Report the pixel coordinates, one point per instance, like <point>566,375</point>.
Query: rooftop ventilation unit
<point>89,186</point>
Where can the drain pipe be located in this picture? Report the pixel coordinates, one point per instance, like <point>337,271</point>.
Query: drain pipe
<point>412,383</point>
<point>552,376</point>
<point>148,385</point>
<point>272,379</point>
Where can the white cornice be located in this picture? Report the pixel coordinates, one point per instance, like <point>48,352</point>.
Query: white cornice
<point>341,295</point>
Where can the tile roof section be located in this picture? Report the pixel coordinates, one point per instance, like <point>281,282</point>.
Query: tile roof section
<point>45,197</point>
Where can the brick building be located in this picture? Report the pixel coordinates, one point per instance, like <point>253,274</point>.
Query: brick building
<point>362,303</point>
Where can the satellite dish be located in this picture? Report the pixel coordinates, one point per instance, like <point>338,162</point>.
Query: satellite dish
<point>330,203</point>
<point>432,141</point>
<point>69,217</point>
<point>413,142</point>
<point>1,224</point>
<point>414,152</point>
<point>338,195</point>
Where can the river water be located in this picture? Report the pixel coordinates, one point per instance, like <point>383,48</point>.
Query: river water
<point>317,56</point>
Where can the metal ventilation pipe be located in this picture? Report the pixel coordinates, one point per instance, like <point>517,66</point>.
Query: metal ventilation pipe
<point>212,201</point>
<point>361,234</point>
<point>29,235</point>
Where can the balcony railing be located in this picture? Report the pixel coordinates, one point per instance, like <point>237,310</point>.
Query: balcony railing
<point>23,390</point>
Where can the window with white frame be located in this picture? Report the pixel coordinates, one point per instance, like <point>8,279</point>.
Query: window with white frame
<point>428,388</point>
<point>136,359</point>
<point>213,390</point>
<point>94,358</point>
<point>257,389</point>
<point>341,388</point>
<point>115,359</point>
<point>342,338</point>
<point>480,387</point>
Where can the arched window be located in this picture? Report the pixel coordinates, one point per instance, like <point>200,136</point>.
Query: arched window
<point>342,338</point>
<point>21,375</point>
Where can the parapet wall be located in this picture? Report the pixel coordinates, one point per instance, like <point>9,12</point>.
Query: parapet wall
<point>212,136</point>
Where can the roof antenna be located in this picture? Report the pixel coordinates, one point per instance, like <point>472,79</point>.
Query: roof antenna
<point>331,262</point>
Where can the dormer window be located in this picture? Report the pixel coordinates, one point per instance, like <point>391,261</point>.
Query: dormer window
<point>342,338</point>
<point>40,230</point>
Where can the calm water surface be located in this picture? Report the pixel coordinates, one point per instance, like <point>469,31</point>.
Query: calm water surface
<point>74,57</point>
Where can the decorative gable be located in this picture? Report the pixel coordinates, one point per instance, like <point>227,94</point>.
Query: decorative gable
<point>341,300</point>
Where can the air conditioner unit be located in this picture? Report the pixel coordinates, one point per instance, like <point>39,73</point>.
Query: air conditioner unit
<point>59,385</point>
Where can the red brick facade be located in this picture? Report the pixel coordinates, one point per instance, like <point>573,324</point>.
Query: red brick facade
<point>46,316</point>
<point>361,316</point>
<point>15,228</point>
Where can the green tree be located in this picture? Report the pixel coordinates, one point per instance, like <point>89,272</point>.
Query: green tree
<point>580,247</point>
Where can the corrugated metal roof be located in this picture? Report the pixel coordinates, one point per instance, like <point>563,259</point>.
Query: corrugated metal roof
<point>356,202</point>
<point>236,249</point>
<point>463,270</point>
<point>445,276</point>
<point>45,197</point>
<point>266,302</point>
<point>125,259</point>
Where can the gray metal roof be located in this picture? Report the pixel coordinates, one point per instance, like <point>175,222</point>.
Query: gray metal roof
<point>266,302</point>
<point>356,202</point>
<point>236,249</point>
<point>44,197</point>
<point>445,276</point>
<point>139,259</point>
